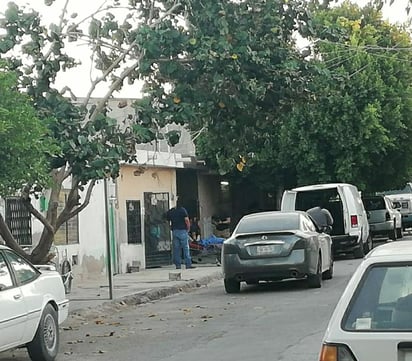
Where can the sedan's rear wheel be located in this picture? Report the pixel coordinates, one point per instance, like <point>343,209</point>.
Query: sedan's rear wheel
<point>315,280</point>
<point>231,285</point>
<point>45,344</point>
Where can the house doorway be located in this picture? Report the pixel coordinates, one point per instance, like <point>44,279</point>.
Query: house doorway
<point>158,244</point>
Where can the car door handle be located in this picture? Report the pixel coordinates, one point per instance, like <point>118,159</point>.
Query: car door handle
<point>17,297</point>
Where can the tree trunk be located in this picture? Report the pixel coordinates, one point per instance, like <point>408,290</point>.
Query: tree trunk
<point>40,252</point>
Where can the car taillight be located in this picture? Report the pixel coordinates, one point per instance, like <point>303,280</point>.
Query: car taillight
<point>387,216</point>
<point>354,220</point>
<point>229,248</point>
<point>336,352</point>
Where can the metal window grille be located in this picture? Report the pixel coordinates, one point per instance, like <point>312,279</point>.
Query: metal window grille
<point>18,219</point>
<point>68,233</point>
<point>134,223</point>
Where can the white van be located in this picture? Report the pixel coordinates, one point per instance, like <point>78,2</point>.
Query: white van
<point>350,230</point>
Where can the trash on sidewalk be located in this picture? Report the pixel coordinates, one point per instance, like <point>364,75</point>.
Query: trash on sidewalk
<point>175,276</point>
<point>134,267</point>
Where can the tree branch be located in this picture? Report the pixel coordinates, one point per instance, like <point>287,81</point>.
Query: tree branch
<point>38,215</point>
<point>104,76</point>
<point>68,211</point>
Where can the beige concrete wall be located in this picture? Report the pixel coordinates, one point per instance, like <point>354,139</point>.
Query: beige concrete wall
<point>133,187</point>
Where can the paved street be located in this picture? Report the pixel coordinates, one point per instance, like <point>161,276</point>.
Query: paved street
<point>280,322</point>
<point>283,322</point>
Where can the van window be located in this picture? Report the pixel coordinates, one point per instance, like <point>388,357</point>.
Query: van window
<point>321,198</point>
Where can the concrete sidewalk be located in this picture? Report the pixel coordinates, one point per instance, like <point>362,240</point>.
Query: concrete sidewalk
<point>139,287</point>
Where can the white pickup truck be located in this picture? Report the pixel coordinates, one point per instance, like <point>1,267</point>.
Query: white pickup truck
<point>403,203</point>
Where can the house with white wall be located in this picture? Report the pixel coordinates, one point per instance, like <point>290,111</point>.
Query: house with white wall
<point>125,217</point>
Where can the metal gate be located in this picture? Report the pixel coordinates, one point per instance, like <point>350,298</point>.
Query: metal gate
<point>158,245</point>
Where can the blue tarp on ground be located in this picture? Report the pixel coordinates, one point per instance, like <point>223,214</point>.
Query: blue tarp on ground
<point>211,241</point>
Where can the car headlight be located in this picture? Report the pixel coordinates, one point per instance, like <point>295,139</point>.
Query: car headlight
<point>336,352</point>
<point>229,248</point>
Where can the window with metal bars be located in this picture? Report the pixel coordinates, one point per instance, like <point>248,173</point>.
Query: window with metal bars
<point>134,223</point>
<point>68,233</point>
<point>18,219</point>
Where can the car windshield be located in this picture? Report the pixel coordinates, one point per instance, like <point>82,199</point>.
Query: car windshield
<point>382,301</point>
<point>269,223</point>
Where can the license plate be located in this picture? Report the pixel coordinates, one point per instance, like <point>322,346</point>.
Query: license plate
<point>268,249</point>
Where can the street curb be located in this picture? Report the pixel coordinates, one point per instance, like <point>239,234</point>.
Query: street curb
<point>161,292</point>
<point>150,295</point>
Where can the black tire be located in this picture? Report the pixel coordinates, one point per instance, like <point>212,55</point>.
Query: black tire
<point>392,234</point>
<point>45,344</point>
<point>232,286</point>
<point>359,251</point>
<point>315,280</point>
<point>399,233</point>
<point>328,275</point>
<point>368,245</point>
<point>67,276</point>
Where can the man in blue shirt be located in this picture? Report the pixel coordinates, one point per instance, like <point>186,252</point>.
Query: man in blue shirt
<point>180,225</point>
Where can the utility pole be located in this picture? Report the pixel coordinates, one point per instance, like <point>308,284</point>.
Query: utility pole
<point>108,248</point>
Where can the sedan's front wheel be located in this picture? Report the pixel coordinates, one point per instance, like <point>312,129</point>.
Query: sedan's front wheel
<point>45,344</point>
<point>232,286</point>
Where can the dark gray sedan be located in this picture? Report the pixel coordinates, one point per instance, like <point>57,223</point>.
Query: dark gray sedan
<point>273,246</point>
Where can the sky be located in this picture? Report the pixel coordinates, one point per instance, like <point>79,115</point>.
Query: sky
<point>79,79</point>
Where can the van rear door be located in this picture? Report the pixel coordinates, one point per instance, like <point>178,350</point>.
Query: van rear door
<point>288,201</point>
<point>345,207</point>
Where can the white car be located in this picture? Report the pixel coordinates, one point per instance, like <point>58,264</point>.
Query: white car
<point>32,305</point>
<point>384,219</point>
<point>373,318</point>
